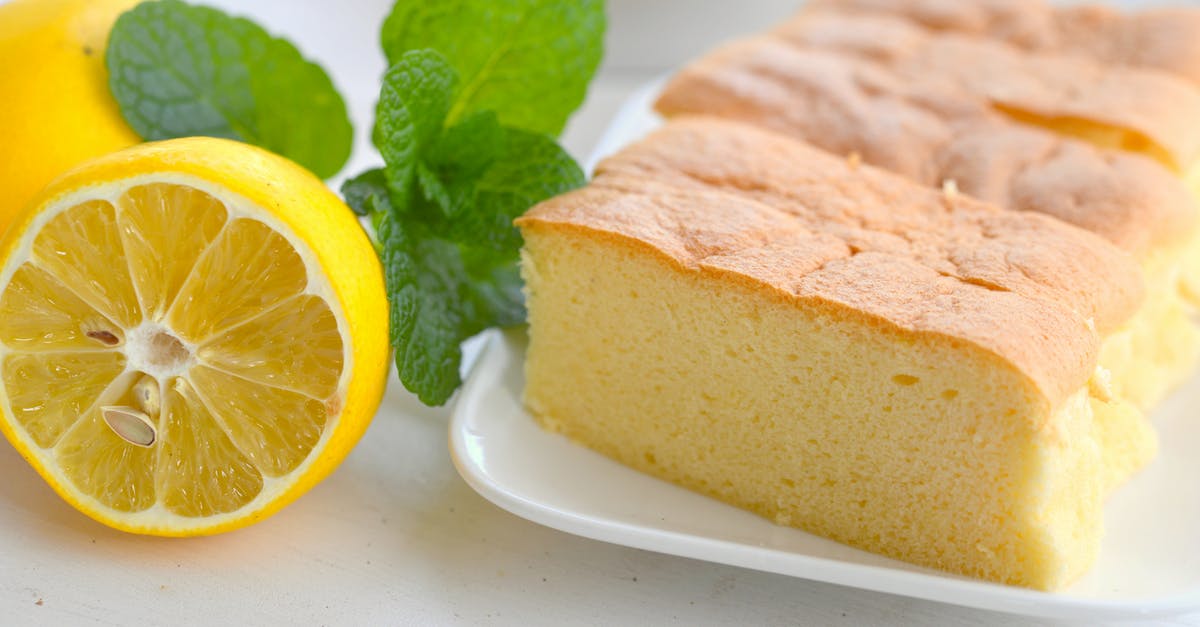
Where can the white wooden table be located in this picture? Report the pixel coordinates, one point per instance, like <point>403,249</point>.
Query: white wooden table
<point>394,536</point>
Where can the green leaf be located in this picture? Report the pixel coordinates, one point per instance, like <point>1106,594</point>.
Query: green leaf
<point>529,61</point>
<point>465,151</point>
<point>530,168</point>
<point>435,303</point>
<point>456,162</point>
<point>465,123</point>
<point>499,291</point>
<point>178,70</point>
<point>450,277</point>
<point>413,104</point>
<point>426,326</point>
<point>367,193</point>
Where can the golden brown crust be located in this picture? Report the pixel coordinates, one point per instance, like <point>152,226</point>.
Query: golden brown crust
<point>748,205</point>
<point>1027,23</point>
<point>836,102</point>
<point>1129,200</point>
<point>1166,39</point>
<point>1153,106</point>
<point>929,131</point>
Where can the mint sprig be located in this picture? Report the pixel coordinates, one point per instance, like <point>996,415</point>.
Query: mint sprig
<point>464,124</point>
<point>528,61</point>
<point>475,94</point>
<point>178,70</point>
<point>413,105</point>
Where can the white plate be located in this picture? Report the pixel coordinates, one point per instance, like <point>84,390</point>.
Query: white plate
<point>1149,564</point>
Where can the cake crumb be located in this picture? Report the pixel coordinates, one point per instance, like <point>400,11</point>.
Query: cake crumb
<point>39,602</point>
<point>950,189</point>
<point>1100,385</point>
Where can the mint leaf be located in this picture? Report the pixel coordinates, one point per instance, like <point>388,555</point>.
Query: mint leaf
<point>367,193</point>
<point>451,276</point>
<point>476,91</point>
<point>413,105</point>
<point>459,158</point>
<point>498,291</point>
<point>466,150</point>
<point>440,293</point>
<point>178,70</point>
<point>427,324</point>
<point>529,61</point>
<point>529,169</point>
<point>443,207</point>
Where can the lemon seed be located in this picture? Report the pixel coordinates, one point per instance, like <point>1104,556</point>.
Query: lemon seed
<point>146,396</point>
<point>129,424</point>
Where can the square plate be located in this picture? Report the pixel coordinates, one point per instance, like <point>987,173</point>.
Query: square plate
<point>1149,563</point>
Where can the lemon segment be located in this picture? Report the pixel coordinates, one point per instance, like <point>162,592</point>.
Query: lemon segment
<point>201,472</point>
<point>307,364</point>
<point>153,214</point>
<point>81,248</point>
<point>180,355</point>
<point>105,467</point>
<point>248,265</point>
<point>49,391</point>
<point>276,428</point>
<point>37,312</point>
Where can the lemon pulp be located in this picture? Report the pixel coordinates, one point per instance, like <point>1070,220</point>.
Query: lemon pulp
<point>187,307</point>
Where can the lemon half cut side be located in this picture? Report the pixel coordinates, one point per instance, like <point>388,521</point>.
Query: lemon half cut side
<point>192,334</point>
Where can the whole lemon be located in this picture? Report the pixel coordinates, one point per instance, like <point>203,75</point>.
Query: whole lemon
<point>58,111</point>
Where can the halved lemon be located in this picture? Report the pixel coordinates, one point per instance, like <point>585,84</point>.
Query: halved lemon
<point>192,334</point>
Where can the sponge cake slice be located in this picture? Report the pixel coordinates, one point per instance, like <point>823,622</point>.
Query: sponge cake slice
<point>833,347</point>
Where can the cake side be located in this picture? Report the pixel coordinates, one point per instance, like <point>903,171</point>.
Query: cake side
<point>748,242</point>
<point>915,445</point>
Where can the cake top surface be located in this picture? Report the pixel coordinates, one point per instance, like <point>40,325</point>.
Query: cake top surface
<point>722,197</point>
<point>1156,109</point>
<point>931,131</point>
<point>1166,38</point>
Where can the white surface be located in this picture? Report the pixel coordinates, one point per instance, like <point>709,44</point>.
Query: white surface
<point>395,536</point>
<point>1149,565</point>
